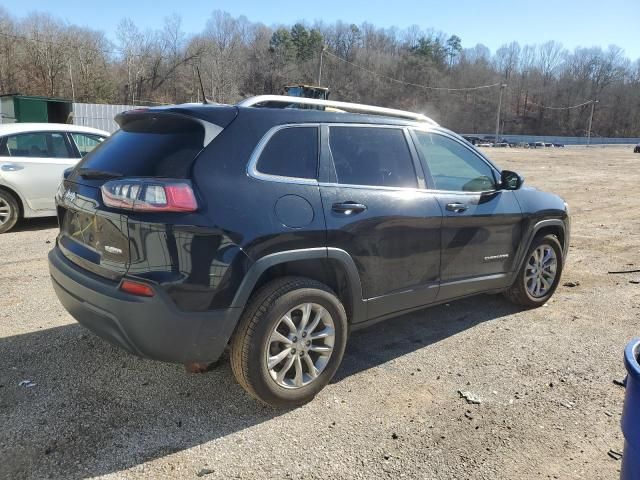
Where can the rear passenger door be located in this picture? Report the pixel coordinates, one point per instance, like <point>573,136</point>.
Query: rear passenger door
<point>377,210</point>
<point>481,229</point>
<point>285,169</point>
<point>39,160</point>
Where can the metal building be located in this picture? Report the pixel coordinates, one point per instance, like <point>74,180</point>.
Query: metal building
<point>26,108</point>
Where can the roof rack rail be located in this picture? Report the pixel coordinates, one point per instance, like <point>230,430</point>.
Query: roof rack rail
<point>354,107</point>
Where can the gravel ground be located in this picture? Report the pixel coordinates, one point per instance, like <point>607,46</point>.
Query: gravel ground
<point>549,407</point>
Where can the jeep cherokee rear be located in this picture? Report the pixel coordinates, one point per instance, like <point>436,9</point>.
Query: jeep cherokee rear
<point>277,231</point>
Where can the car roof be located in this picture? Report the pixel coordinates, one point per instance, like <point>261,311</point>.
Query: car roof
<point>13,128</point>
<point>209,112</point>
<point>278,116</point>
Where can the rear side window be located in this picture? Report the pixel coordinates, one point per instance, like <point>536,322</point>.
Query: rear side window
<point>39,144</point>
<point>86,142</point>
<point>372,156</point>
<point>157,147</point>
<point>291,152</point>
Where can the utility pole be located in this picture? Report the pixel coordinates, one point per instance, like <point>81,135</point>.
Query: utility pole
<point>502,87</point>
<point>593,104</point>
<point>73,90</point>
<point>320,68</point>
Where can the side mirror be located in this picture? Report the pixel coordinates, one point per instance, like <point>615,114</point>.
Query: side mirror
<point>510,180</point>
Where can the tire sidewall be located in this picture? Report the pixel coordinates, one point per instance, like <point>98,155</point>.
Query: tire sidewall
<point>553,242</point>
<point>14,212</point>
<point>264,385</point>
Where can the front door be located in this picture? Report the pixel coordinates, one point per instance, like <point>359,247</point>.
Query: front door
<point>481,229</point>
<point>377,210</point>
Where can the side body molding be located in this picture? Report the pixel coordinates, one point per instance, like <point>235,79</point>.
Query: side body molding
<point>260,266</point>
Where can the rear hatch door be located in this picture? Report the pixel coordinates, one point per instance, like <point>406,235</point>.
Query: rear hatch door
<point>151,144</point>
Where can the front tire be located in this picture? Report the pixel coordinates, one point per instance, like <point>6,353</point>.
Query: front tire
<point>540,273</point>
<point>290,341</point>
<point>9,211</point>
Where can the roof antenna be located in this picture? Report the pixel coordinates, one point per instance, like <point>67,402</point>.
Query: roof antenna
<point>205,100</point>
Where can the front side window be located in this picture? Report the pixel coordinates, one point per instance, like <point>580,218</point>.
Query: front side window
<point>40,144</point>
<point>291,152</point>
<point>372,156</point>
<point>453,166</point>
<point>86,142</point>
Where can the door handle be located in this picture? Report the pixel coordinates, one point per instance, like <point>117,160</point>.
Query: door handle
<point>11,167</point>
<point>348,207</point>
<point>457,207</point>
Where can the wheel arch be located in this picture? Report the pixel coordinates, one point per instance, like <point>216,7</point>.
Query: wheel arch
<point>330,266</point>
<point>554,226</point>
<point>553,229</point>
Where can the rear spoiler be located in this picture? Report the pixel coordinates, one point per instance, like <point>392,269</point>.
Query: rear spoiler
<point>171,119</point>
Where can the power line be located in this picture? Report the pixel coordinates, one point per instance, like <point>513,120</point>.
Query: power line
<point>426,87</point>
<point>562,108</point>
<point>59,44</point>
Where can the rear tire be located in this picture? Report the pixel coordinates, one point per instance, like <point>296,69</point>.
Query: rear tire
<point>273,326</point>
<point>539,274</point>
<point>9,211</point>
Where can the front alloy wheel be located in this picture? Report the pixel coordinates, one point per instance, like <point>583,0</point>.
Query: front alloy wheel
<point>540,273</point>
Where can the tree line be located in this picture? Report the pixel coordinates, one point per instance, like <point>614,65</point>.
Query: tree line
<point>415,69</point>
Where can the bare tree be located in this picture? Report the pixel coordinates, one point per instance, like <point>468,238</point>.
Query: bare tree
<point>47,51</point>
<point>386,66</point>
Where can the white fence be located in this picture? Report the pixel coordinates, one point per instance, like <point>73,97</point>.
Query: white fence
<point>97,115</point>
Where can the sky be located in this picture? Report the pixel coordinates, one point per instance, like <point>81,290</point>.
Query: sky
<point>490,22</point>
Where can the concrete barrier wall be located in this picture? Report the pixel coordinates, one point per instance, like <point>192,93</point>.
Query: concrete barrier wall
<point>562,140</point>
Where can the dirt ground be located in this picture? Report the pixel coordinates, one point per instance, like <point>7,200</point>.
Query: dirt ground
<point>549,407</point>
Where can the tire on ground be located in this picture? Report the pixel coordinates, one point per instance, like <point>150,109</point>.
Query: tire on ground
<point>250,341</point>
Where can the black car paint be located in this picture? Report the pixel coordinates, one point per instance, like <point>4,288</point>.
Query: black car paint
<point>405,251</point>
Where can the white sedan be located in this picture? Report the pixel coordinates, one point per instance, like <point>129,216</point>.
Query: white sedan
<point>33,158</point>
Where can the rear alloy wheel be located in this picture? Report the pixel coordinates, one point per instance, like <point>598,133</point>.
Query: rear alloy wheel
<point>539,276</point>
<point>300,345</point>
<point>9,211</point>
<point>289,342</point>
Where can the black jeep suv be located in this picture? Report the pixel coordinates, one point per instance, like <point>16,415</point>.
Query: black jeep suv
<point>277,231</point>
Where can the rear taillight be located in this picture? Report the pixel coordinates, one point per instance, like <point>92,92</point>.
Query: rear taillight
<point>142,195</point>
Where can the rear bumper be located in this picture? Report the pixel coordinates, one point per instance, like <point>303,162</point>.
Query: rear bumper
<point>151,327</point>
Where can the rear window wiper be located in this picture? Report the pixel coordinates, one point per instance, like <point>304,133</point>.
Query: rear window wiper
<point>97,174</point>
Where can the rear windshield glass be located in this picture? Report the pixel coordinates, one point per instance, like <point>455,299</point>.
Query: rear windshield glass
<point>149,148</point>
